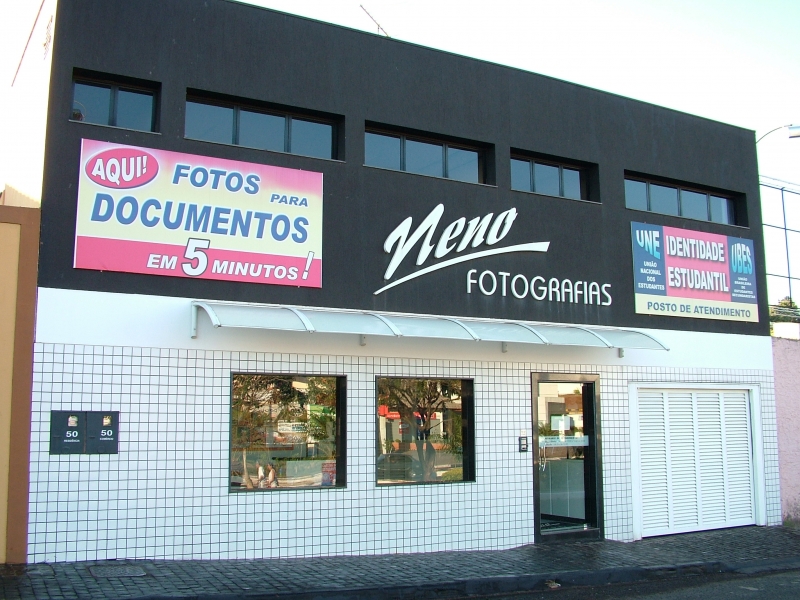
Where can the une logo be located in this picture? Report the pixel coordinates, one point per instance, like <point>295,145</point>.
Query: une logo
<point>122,168</point>
<point>649,240</point>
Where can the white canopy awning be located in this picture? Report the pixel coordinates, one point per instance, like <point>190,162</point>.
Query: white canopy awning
<point>329,320</point>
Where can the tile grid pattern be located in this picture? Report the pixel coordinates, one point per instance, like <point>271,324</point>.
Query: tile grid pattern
<point>166,494</point>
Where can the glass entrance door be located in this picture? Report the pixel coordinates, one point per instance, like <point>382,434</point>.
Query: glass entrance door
<point>566,461</point>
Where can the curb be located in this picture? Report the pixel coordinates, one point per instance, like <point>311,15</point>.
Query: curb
<point>510,584</point>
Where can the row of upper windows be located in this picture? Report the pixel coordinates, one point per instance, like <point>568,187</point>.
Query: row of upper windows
<point>641,194</point>
<point>248,124</point>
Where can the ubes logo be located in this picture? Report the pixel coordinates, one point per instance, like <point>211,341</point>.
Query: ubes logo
<point>122,168</point>
<point>741,260</point>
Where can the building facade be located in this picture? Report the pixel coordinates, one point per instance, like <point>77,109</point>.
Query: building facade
<point>786,353</point>
<point>306,291</point>
<point>780,208</point>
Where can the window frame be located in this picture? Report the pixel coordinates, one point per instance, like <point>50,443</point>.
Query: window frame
<point>584,174</point>
<point>288,114</point>
<point>116,84</point>
<point>340,432</point>
<point>770,229</point>
<point>467,426</point>
<point>594,489</point>
<point>445,144</point>
<point>734,203</point>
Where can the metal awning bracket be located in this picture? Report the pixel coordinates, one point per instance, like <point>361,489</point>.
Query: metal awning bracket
<point>594,333</point>
<point>386,322</point>
<point>655,339</point>
<point>472,334</point>
<point>196,306</point>
<point>304,319</point>
<point>533,331</point>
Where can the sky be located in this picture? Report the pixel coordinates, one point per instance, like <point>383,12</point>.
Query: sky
<point>735,61</point>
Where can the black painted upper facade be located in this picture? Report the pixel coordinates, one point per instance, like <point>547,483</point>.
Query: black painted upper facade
<point>366,82</point>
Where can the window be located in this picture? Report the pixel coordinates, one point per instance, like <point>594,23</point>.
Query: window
<point>119,105</point>
<point>424,157</point>
<point>287,431</point>
<point>548,178</point>
<point>780,214</point>
<point>231,123</point>
<point>679,202</point>
<point>425,431</point>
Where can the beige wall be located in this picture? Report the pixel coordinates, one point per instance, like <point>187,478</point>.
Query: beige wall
<point>786,356</point>
<point>9,262</point>
<point>13,197</point>
<point>19,249</point>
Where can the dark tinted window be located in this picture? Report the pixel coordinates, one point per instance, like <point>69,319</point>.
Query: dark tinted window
<point>549,179</point>
<point>546,180</point>
<point>91,104</point>
<point>636,194</point>
<point>110,104</point>
<point>262,131</point>
<point>521,175</point>
<point>646,195</point>
<point>135,110</point>
<point>694,205</point>
<point>424,158</point>
<point>311,139</point>
<point>571,180</point>
<point>462,165</point>
<point>663,199</point>
<point>382,151</point>
<point>721,210</point>
<point>248,126</point>
<point>209,123</point>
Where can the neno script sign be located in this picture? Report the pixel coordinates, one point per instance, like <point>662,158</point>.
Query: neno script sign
<point>686,273</point>
<point>456,237</point>
<point>150,211</point>
<point>462,235</point>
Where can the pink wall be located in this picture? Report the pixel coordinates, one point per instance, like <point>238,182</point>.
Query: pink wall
<point>786,354</point>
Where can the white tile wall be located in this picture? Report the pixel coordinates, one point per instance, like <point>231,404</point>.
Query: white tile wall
<point>165,495</point>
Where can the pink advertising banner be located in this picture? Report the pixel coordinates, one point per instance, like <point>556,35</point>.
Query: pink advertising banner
<point>687,273</point>
<point>150,211</point>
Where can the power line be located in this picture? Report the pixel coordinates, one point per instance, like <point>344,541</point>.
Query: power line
<point>781,183</point>
<point>380,29</point>
<point>21,58</point>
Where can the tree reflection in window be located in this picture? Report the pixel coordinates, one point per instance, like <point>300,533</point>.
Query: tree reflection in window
<point>421,430</point>
<point>284,431</point>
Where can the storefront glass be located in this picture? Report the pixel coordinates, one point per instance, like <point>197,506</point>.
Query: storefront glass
<point>566,456</point>
<point>284,431</point>
<point>424,433</point>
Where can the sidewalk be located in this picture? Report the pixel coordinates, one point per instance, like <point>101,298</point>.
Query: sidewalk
<point>417,576</point>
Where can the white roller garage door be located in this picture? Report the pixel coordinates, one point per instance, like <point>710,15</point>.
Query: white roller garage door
<point>696,457</point>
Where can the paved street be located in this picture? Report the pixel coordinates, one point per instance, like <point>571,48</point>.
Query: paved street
<point>779,586</point>
<point>659,562</point>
